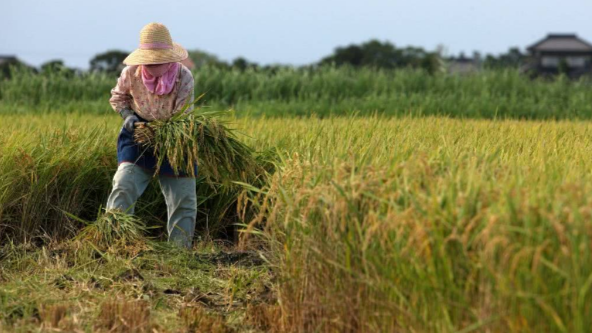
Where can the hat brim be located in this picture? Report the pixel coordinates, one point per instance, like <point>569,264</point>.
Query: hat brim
<point>155,57</point>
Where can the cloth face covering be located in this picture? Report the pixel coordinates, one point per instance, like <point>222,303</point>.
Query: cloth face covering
<point>160,79</point>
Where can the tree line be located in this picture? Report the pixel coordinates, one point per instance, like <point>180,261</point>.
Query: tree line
<point>373,53</point>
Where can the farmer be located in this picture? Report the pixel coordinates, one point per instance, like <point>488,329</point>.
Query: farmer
<point>153,86</point>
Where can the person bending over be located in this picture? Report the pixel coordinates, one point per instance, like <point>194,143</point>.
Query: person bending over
<point>153,86</point>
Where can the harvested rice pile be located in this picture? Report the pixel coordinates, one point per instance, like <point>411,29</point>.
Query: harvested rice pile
<point>114,231</point>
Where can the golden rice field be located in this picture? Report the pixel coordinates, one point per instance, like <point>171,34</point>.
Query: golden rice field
<point>366,224</point>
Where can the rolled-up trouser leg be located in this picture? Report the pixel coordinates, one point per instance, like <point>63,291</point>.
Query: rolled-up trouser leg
<point>129,183</point>
<point>181,201</point>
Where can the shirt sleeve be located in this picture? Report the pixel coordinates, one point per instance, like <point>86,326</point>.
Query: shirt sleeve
<point>186,91</point>
<point>120,95</point>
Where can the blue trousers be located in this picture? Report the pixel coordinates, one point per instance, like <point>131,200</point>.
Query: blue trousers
<point>130,182</point>
<point>136,168</point>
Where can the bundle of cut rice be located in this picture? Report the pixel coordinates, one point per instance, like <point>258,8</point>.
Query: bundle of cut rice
<point>115,230</point>
<point>201,137</point>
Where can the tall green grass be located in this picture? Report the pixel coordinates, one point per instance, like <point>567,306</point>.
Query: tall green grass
<point>326,91</point>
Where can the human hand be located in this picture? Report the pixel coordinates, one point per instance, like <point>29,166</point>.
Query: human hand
<point>129,122</point>
<point>129,119</point>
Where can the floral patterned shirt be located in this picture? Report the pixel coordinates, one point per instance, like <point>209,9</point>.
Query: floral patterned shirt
<point>130,93</point>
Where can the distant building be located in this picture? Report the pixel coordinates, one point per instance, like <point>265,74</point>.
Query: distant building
<point>8,60</point>
<point>463,64</point>
<point>559,53</point>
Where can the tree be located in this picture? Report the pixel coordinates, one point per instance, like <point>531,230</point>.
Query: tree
<point>372,53</point>
<point>52,66</point>
<point>56,66</point>
<point>10,64</point>
<point>383,55</point>
<point>242,64</point>
<point>108,62</point>
<point>202,58</point>
<point>351,55</point>
<point>432,63</point>
<point>514,58</point>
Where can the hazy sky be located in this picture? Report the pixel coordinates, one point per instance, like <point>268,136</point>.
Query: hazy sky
<point>281,31</point>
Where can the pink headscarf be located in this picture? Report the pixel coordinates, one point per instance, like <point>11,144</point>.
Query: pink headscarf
<point>160,79</point>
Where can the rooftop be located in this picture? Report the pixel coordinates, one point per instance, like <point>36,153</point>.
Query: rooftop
<point>7,58</point>
<point>561,43</point>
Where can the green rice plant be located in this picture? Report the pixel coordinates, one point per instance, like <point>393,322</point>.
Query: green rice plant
<point>326,91</point>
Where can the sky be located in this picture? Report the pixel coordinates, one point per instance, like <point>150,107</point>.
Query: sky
<point>294,32</point>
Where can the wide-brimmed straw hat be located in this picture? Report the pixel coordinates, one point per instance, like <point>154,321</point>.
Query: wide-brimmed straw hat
<point>156,47</point>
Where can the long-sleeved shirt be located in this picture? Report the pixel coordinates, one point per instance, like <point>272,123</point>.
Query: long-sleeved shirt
<point>130,93</point>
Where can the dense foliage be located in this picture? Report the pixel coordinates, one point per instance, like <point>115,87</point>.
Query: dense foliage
<point>326,91</point>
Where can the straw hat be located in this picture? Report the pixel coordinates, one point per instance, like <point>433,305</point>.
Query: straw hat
<point>156,47</point>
